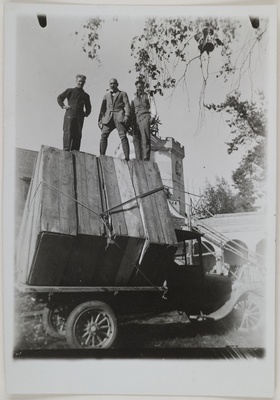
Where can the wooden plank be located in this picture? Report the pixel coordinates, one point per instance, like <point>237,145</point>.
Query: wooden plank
<point>35,210</point>
<point>112,194</point>
<point>88,193</point>
<point>147,205</point>
<point>131,211</point>
<point>23,239</point>
<point>50,259</point>
<point>66,200</point>
<point>154,181</point>
<point>50,210</point>
<point>59,208</point>
<point>130,258</point>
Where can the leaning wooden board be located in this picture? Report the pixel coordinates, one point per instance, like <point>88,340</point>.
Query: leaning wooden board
<point>89,222</point>
<point>123,253</point>
<point>157,222</point>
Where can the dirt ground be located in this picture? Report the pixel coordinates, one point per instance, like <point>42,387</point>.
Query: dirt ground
<point>165,331</point>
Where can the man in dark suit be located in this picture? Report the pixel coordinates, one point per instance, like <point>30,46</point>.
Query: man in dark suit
<point>114,114</point>
<point>77,108</point>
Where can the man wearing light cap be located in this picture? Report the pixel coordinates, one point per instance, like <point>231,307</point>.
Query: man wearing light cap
<point>78,106</point>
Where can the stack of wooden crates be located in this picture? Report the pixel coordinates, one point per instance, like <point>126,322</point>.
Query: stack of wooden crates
<point>67,237</point>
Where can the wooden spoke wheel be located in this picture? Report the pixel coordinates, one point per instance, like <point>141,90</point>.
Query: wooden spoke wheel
<point>247,313</point>
<point>91,325</point>
<point>54,320</point>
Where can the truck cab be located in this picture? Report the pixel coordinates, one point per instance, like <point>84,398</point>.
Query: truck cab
<point>193,290</point>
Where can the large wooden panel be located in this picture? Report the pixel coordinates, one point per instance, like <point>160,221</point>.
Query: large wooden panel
<point>85,260</point>
<point>50,207</point>
<point>89,200</point>
<point>63,240</point>
<point>50,259</point>
<point>114,254</point>
<point>112,195</point>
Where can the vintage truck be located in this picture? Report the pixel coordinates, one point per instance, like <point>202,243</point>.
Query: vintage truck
<point>97,242</point>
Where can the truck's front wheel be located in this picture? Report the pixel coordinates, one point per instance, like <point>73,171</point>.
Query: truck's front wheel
<point>91,325</point>
<point>247,313</point>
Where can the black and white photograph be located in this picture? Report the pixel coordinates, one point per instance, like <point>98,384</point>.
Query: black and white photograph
<point>139,199</point>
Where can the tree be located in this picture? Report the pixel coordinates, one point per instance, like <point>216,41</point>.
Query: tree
<point>170,45</point>
<point>90,38</point>
<point>247,121</point>
<point>163,53</point>
<point>220,199</point>
<point>167,47</point>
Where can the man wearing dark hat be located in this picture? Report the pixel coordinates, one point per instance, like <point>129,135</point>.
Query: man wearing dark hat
<point>143,115</point>
<point>78,106</point>
<point>114,114</point>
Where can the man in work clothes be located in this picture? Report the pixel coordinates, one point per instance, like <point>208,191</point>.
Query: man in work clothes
<point>114,114</point>
<point>77,108</point>
<point>143,115</point>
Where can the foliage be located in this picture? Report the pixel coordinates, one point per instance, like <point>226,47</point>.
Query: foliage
<point>247,122</point>
<point>220,199</point>
<point>167,47</point>
<point>91,37</point>
<point>164,46</point>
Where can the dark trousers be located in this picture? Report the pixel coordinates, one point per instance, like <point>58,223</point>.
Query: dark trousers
<point>72,134</point>
<point>142,138</point>
<point>107,129</point>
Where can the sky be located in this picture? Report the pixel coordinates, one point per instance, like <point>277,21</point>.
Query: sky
<point>48,59</point>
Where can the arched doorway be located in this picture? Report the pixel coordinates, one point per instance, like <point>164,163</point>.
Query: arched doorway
<point>235,254</point>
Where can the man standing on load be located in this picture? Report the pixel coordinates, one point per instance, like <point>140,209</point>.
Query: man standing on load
<point>77,108</point>
<point>114,114</point>
<point>143,115</point>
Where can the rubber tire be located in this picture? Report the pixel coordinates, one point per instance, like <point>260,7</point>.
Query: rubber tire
<point>254,302</point>
<point>48,326</point>
<point>78,312</point>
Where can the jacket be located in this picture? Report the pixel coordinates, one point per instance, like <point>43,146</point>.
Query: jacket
<point>116,106</point>
<point>78,100</point>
